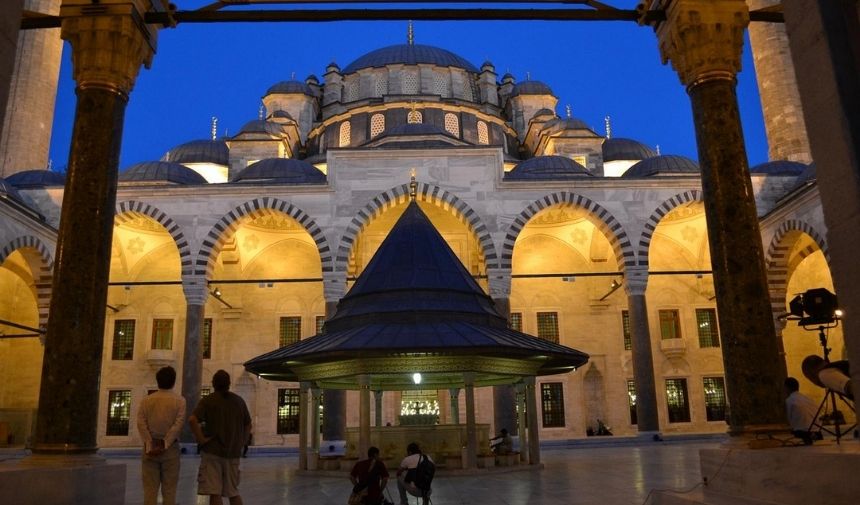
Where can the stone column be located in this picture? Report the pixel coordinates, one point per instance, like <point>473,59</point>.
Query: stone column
<point>107,51</point>
<point>363,416</point>
<point>454,395</point>
<point>471,429</point>
<point>703,39</point>
<point>504,397</point>
<point>377,408</point>
<point>521,422</point>
<point>334,400</point>
<point>533,426</point>
<point>304,388</point>
<point>196,292</point>
<point>823,37</point>
<point>647,418</point>
<point>314,432</point>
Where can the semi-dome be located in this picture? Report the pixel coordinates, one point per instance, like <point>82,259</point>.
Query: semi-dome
<point>290,87</point>
<point>161,171</point>
<point>548,168</point>
<point>616,149</point>
<point>200,151</point>
<point>779,167</point>
<point>282,171</point>
<point>262,126</point>
<point>409,54</point>
<point>36,179</point>
<point>663,165</point>
<point>531,88</point>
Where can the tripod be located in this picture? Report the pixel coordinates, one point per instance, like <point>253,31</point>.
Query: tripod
<point>828,406</point>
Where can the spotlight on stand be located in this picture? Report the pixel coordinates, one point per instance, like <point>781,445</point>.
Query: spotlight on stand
<point>815,307</point>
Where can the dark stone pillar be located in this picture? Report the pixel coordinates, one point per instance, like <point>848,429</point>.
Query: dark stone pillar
<point>196,292</point>
<point>647,418</point>
<point>504,397</point>
<point>334,401</point>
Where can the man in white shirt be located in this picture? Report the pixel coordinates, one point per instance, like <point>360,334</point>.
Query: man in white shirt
<point>800,410</point>
<point>406,480</point>
<point>159,420</point>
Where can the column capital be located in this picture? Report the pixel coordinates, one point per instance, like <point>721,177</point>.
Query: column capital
<point>196,289</point>
<point>499,282</point>
<point>334,286</point>
<point>109,41</point>
<point>702,38</point>
<point>635,280</point>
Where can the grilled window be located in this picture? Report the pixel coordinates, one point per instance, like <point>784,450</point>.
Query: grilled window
<point>631,400</point>
<point>320,322</point>
<point>377,124</point>
<point>123,339</point>
<point>483,133</point>
<point>345,134</point>
<point>625,330</point>
<point>670,324</point>
<point>452,124</point>
<point>288,411</point>
<point>162,334</point>
<point>677,400</point>
<point>706,325</point>
<point>415,117</point>
<point>547,323</point>
<point>119,409</point>
<point>517,321</point>
<point>552,404</point>
<point>715,398</point>
<point>207,338</point>
<point>290,330</point>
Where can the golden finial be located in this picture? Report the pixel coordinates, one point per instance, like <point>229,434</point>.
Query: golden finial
<point>568,110</point>
<point>214,128</point>
<point>608,127</point>
<point>413,186</point>
<point>410,34</point>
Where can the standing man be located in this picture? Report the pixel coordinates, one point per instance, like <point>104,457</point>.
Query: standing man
<point>228,425</point>
<point>159,420</point>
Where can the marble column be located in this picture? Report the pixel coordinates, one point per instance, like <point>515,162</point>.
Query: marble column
<point>304,400</point>
<point>363,416</point>
<point>823,38</point>
<point>533,426</point>
<point>334,400</point>
<point>107,52</point>
<point>703,39</point>
<point>521,422</point>
<point>471,429</point>
<point>647,418</point>
<point>454,396</point>
<point>504,396</point>
<point>196,292</point>
<point>377,408</point>
<point>314,432</point>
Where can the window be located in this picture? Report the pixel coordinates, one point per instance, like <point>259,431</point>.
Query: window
<point>290,330</point>
<point>452,124</point>
<point>123,339</point>
<point>410,83</point>
<point>631,400</point>
<point>625,330</point>
<point>547,323</point>
<point>415,117</point>
<point>320,322</point>
<point>207,338</point>
<point>715,398</point>
<point>670,324</point>
<point>345,134</point>
<point>483,133</point>
<point>119,408</point>
<point>706,325</point>
<point>422,402</point>
<point>351,91</point>
<point>377,124</point>
<point>552,404</point>
<point>162,334</point>
<point>440,85</point>
<point>676,401</point>
<point>205,391</point>
<point>288,411</point>
<point>381,84</point>
<point>517,321</point>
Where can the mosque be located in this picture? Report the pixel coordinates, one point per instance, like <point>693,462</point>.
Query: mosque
<point>564,227</point>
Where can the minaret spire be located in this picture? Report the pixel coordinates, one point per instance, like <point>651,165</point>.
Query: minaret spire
<point>261,111</point>
<point>568,110</point>
<point>410,34</point>
<point>608,127</point>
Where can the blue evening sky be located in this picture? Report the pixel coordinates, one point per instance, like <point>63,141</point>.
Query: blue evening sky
<point>222,70</point>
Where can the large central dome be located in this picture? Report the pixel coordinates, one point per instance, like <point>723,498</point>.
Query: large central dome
<point>409,54</point>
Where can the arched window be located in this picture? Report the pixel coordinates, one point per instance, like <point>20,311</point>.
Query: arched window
<point>345,134</point>
<point>452,124</point>
<point>483,133</point>
<point>414,117</point>
<point>377,125</point>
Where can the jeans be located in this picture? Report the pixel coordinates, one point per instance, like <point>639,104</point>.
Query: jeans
<point>403,487</point>
<point>163,471</point>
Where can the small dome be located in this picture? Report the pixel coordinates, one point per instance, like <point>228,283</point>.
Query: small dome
<point>409,54</point>
<point>508,77</point>
<point>332,67</point>
<point>807,176</point>
<point>161,171</point>
<point>312,79</point>
<point>544,112</point>
<point>36,179</point>
<point>615,149</point>
<point>281,114</point>
<point>548,168</point>
<point>488,66</point>
<point>200,151</point>
<point>290,88</point>
<point>262,126</point>
<point>779,167</point>
<point>281,170</point>
<point>531,88</point>
<point>568,123</point>
<point>663,165</point>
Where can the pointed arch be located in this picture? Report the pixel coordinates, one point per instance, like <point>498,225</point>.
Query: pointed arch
<point>425,193</point>
<point>132,207</point>
<point>599,216</point>
<point>778,261</point>
<point>228,224</point>
<point>41,266</point>
<point>657,215</point>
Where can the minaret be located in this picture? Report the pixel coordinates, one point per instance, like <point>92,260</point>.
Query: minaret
<point>29,114</point>
<point>780,100</point>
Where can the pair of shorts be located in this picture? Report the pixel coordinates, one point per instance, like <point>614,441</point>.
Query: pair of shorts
<point>218,476</point>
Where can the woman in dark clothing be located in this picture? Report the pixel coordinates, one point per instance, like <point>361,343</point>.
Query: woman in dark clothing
<point>370,474</point>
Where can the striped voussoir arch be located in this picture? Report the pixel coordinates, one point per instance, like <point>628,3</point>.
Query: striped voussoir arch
<point>125,211</point>
<point>600,217</point>
<point>779,264</point>
<point>658,214</point>
<point>41,266</point>
<point>229,223</point>
<point>426,193</point>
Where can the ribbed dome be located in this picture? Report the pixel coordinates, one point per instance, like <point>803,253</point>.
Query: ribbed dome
<point>548,168</point>
<point>290,87</point>
<point>779,167</point>
<point>262,126</point>
<point>282,171</point>
<point>531,88</point>
<point>36,179</point>
<point>615,149</point>
<point>409,54</point>
<point>200,151</point>
<point>161,171</point>
<point>663,165</point>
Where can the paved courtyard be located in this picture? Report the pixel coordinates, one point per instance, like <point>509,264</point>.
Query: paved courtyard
<point>605,475</point>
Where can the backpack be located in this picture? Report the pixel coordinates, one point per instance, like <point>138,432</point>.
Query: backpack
<point>424,473</point>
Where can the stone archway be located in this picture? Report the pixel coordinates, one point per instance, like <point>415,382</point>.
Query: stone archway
<point>657,215</point>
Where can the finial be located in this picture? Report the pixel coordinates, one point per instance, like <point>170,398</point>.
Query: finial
<point>413,186</point>
<point>410,34</point>
<point>528,76</point>
<point>214,128</point>
<point>568,110</point>
<point>658,149</point>
<point>50,163</point>
<point>261,111</point>
<point>292,76</point>
<point>608,127</point>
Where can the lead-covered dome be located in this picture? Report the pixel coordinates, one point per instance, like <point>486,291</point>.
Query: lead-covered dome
<point>779,167</point>
<point>200,151</point>
<point>531,88</point>
<point>7,189</point>
<point>261,126</point>
<point>548,168</point>
<point>409,54</point>
<point>621,149</point>
<point>281,171</point>
<point>290,87</point>
<point>667,164</point>
<point>161,171</point>
<point>36,179</point>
